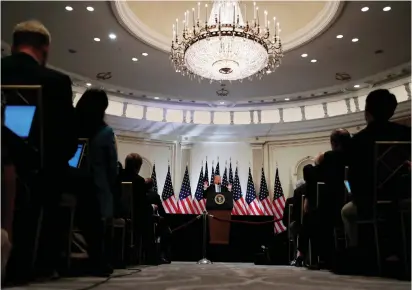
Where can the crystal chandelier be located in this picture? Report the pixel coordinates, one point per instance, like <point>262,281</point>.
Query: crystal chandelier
<point>226,46</point>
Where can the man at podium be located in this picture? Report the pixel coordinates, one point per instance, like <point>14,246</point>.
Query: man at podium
<point>216,187</point>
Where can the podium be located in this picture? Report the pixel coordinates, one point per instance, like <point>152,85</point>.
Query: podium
<point>220,205</point>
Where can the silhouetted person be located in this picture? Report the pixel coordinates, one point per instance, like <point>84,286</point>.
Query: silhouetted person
<point>102,153</point>
<point>380,107</point>
<point>26,66</point>
<point>143,210</point>
<point>309,227</point>
<point>296,214</point>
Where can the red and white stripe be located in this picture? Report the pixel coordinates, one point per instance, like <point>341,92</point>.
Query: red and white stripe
<point>240,207</point>
<point>279,206</point>
<point>170,205</point>
<point>267,207</point>
<point>186,206</point>
<point>199,205</point>
<point>255,208</point>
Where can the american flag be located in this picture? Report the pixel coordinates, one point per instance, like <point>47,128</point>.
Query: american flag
<point>278,205</point>
<point>254,207</point>
<point>230,173</point>
<point>217,170</point>
<point>212,176</point>
<point>168,197</point>
<point>154,178</point>
<point>224,179</point>
<point>198,201</point>
<point>239,203</point>
<point>205,176</point>
<point>185,196</point>
<point>264,196</point>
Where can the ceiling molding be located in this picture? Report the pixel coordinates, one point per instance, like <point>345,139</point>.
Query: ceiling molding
<point>129,20</point>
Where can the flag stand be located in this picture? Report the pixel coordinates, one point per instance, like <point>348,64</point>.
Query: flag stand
<point>204,261</point>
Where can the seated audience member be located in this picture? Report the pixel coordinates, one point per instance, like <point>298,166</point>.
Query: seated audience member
<point>309,226</point>
<point>143,210</point>
<point>295,215</point>
<point>331,169</point>
<point>102,153</point>
<point>380,107</point>
<point>163,231</point>
<point>26,66</point>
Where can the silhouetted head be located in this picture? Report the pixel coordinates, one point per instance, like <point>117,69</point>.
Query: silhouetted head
<point>90,111</point>
<point>33,38</point>
<point>340,139</point>
<point>216,179</point>
<point>380,106</point>
<point>133,163</point>
<point>309,173</point>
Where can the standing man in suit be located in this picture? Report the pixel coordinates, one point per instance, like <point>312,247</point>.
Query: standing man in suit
<point>215,187</point>
<point>27,66</point>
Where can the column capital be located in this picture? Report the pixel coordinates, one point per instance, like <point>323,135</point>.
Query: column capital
<point>186,145</point>
<point>257,145</point>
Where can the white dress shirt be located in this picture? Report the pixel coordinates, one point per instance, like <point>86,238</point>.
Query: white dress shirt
<point>217,188</point>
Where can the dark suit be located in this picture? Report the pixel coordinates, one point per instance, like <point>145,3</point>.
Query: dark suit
<point>331,171</point>
<point>60,138</point>
<point>212,189</point>
<point>362,157</point>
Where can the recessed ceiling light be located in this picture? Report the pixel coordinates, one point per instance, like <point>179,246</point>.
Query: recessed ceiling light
<point>96,39</point>
<point>69,8</point>
<point>88,84</point>
<point>355,40</point>
<point>387,8</point>
<point>90,8</point>
<point>287,99</point>
<point>156,98</point>
<point>313,60</point>
<point>145,54</point>
<point>222,103</point>
<point>134,59</point>
<point>339,36</point>
<point>356,86</point>
<point>304,55</point>
<point>112,36</point>
<point>364,9</point>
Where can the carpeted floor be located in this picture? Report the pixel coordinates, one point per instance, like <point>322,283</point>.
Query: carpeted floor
<point>223,276</point>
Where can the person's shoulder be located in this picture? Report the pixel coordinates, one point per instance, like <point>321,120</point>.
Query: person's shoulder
<point>403,132</point>
<point>7,61</point>
<point>56,75</point>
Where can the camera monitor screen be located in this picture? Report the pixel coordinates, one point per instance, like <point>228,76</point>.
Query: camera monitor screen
<point>76,159</point>
<point>19,119</point>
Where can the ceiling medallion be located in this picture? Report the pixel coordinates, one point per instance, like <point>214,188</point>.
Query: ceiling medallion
<point>226,46</point>
<point>222,92</point>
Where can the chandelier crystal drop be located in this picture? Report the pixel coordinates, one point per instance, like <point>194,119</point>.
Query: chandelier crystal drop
<point>225,46</point>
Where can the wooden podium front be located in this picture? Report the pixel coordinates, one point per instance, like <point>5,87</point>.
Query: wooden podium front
<point>219,231</point>
<point>219,205</point>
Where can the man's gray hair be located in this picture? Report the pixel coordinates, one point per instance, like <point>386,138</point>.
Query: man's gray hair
<point>299,183</point>
<point>33,26</point>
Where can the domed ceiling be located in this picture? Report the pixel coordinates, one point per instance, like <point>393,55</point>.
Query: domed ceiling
<point>296,18</point>
<point>383,46</point>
